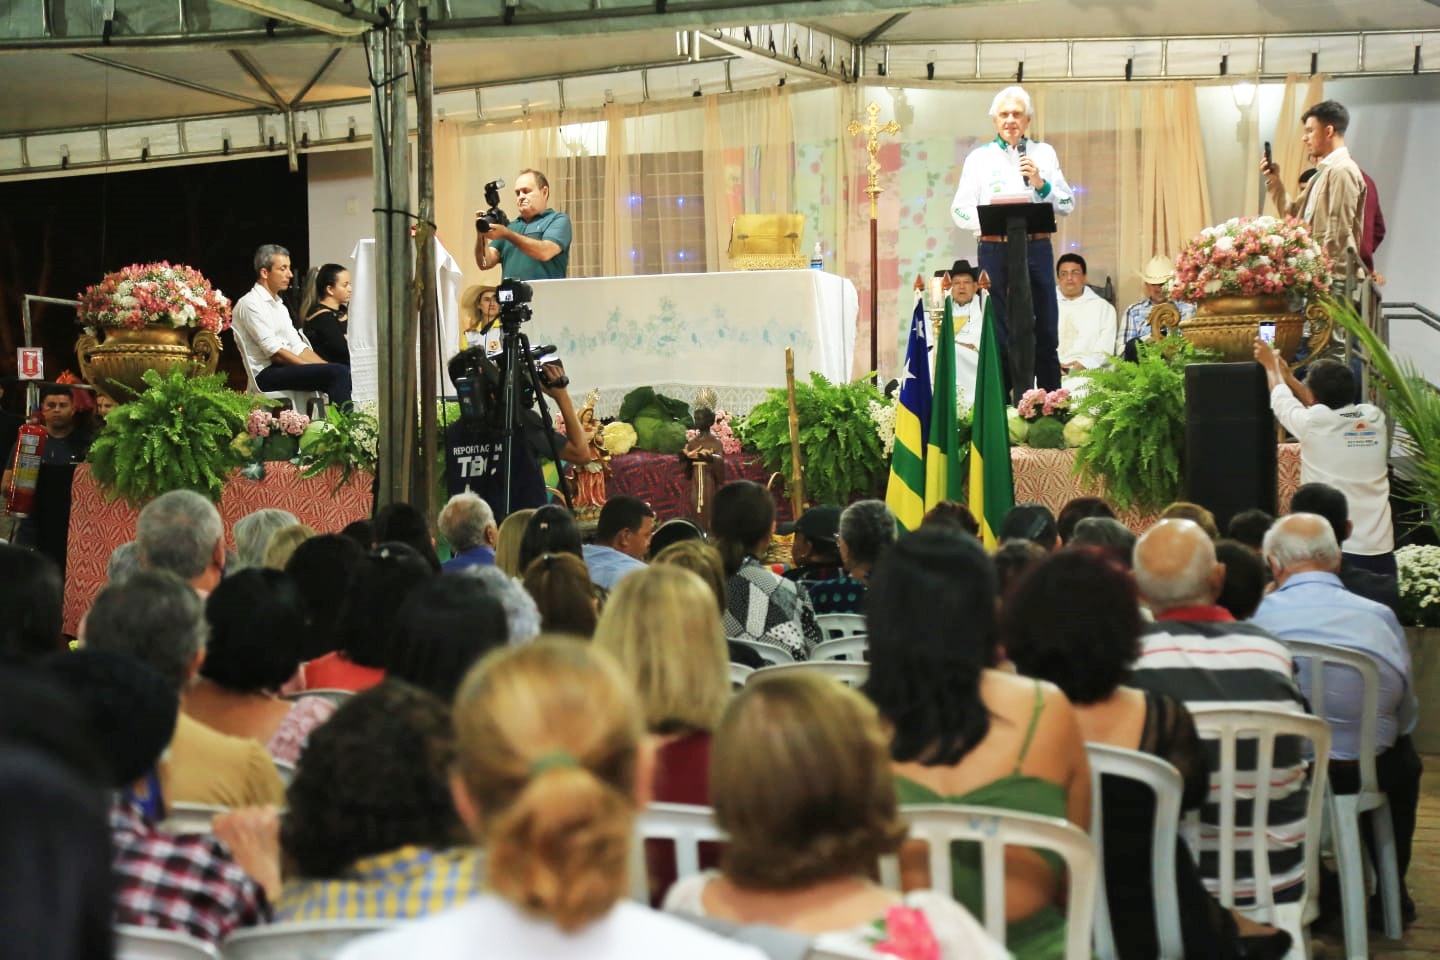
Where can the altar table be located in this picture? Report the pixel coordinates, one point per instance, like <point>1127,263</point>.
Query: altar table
<point>680,332</point>
<point>662,481</point>
<point>98,527</point>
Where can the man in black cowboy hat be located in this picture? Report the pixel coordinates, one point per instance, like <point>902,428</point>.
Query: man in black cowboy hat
<point>967,306</point>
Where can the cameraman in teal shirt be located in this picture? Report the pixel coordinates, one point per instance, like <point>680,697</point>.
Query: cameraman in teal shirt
<point>536,245</point>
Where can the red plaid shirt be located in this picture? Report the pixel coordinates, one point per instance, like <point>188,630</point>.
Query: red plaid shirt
<point>187,883</point>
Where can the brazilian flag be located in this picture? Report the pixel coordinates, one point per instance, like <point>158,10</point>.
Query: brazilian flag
<point>992,484</point>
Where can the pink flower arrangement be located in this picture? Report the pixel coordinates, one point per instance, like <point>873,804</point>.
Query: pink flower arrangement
<point>1252,256</point>
<point>905,933</point>
<point>722,431</point>
<point>160,294</point>
<point>261,423</point>
<point>1037,402</point>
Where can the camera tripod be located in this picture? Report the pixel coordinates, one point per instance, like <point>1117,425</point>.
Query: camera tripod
<point>516,346</point>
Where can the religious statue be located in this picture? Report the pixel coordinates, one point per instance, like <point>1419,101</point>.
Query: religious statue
<point>590,478</point>
<point>704,455</point>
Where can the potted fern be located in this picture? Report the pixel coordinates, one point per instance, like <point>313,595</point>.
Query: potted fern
<point>1137,429</point>
<point>838,438</point>
<point>176,435</point>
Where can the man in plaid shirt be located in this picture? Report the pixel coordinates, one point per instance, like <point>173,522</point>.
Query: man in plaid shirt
<point>187,883</point>
<point>1136,323</point>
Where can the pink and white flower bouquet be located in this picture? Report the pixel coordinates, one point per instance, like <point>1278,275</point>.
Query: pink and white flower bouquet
<point>1252,257</point>
<point>154,294</point>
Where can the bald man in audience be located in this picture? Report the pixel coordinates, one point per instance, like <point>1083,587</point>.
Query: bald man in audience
<point>1310,603</point>
<point>1197,653</point>
<point>159,619</point>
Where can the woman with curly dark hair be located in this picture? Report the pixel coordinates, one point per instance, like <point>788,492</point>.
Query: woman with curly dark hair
<point>371,832</point>
<point>787,747</point>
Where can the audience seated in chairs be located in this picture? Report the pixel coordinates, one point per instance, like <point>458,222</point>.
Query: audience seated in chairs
<point>965,733</point>
<point>1245,578</point>
<point>789,746</point>
<point>954,514</point>
<point>187,883</point>
<point>550,529</point>
<point>158,618</point>
<point>522,617</point>
<point>468,525</point>
<point>1106,534</point>
<point>760,604</point>
<point>402,523</point>
<point>867,529</point>
<point>284,543</point>
<point>445,625</point>
<point>1075,621</point>
<point>182,532</point>
<point>548,776</point>
<point>814,554</point>
<point>661,624</point>
<point>368,618</point>
<point>256,622</point>
<point>1079,509</point>
<point>507,542</point>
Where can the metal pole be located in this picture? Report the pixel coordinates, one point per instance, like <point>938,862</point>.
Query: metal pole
<point>424,498</point>
<point>394,322</point>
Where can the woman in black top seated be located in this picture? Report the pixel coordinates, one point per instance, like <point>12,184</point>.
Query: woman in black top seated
<point>325,318</point>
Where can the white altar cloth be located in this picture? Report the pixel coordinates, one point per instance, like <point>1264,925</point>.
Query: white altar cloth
<point>680,332</point>
<point>364,348</point>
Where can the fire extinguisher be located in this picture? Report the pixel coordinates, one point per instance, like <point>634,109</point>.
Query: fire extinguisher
<point>25,471</point>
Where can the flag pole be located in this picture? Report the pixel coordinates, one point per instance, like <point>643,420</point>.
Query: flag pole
<point>797,474</point>
<point>872,129</point>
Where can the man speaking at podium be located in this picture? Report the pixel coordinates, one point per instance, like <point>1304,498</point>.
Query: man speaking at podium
<point>1012,168</point>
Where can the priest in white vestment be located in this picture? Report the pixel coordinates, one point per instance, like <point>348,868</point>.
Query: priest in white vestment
<point>1087,320</point>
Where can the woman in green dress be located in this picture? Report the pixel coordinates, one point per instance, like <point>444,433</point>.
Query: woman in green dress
<point>966,733</point>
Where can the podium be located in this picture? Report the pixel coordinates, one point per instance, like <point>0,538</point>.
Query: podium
<point>1015,222</point>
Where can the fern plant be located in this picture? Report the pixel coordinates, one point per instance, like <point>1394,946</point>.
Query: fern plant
<point>842,453</point>
<point>1138,434</point>
<point>1413,406</point>
<point>345,438</point>
<point>176,435</point>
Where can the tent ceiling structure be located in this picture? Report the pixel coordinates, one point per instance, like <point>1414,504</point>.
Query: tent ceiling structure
<point>184,80</point>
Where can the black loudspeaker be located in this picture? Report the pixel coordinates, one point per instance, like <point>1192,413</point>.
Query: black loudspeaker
<point>1229,439</point>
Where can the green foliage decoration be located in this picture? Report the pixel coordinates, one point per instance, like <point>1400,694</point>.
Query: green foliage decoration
<point>345,438</point>
<point>176,435</point>
<point>1135,443</point>
<point>841,449</point>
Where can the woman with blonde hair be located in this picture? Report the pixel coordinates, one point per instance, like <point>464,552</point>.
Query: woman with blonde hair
<point>703,560</point>
<point>549,772</point>
<point>788,747</point>
<point>507,541</point>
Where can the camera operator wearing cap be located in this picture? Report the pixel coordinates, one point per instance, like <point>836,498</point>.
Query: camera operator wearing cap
<point>534,246</point>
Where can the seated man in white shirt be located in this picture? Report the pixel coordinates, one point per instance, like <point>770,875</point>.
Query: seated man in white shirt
<point>1087,320</point>
<point>279,357</point>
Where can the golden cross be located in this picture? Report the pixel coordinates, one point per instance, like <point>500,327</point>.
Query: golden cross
<point>872,130</point>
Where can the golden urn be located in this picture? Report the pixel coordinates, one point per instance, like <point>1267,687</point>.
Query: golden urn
<point>1228,325</point>
<point>117,364</point>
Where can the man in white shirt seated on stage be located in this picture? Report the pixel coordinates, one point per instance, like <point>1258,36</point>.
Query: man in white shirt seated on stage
<point>278,355</point>
<point>967,309</point>
<point>1087,320</point>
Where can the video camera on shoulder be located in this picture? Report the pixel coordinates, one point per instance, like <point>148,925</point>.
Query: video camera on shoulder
<point>493,215</point>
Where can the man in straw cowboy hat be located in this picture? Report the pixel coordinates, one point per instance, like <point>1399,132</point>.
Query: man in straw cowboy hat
<point>1156,276</point>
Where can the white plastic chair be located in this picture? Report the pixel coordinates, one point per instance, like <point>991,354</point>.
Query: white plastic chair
<point>1262,726</point>
<point>684,825</point>
<point>335,696</point>
<point>1344,809</point>
<point>312,402</point>
<point>191,817</point>
<point>1164,781</point>
<point>941,824</point>
<point>856,647</point>
<point>839,625</point>
<point>846,671</point>
<point>318,940</point>
<point>739,674</point>
<point>143,943</point>
<point>768,651</point>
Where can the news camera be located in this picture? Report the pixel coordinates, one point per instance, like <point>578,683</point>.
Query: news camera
<point>493,215</point>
